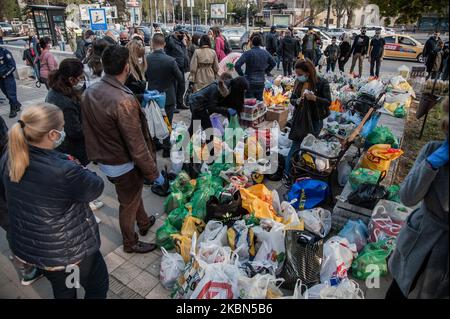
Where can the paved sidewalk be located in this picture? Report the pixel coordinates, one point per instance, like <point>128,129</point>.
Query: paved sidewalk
<point>131,275</point>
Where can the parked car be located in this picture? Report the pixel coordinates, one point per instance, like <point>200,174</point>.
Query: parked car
<point>335,32</point>
<point>233,36</point>
<point>7,28</point>
<point>324,37</point>
<point>403,47</point>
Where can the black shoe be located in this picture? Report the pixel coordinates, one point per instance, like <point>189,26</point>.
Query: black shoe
<point>166,153</point>
<point>162,190</point>
<point>140,248</point>
<point>158,144</point>
<point>175,111</point>
<point>171,176</point>
<point>182,107</point>
<point>144,231</point>
<point>13,113</point>
<point>18,107</point>
<point>147,182</point>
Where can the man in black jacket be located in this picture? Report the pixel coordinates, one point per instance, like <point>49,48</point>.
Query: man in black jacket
<point>164,75</point>
<point>431,45</point>
<point>84,44</point>
<point>289,51</point>
<point>359,50</point>
<point>176,48</point>
<point>8,82</point>
<point>376,53</point>
<point>271,41</point>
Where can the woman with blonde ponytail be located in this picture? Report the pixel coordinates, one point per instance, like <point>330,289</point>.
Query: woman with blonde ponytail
<point>47,195</point>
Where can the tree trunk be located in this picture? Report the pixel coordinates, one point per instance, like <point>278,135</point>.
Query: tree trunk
<point>338,21</point>
<point>349,18</point>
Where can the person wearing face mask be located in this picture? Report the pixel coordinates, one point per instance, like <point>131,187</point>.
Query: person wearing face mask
<point>93,68</point>
<point>344,51</point>
<point>311,97</point>
<point>138,65</point>
<point>84,44</point>
<point>124,38</point>
<point>431,46</point>
<point>51,226</point>
<point>376,52</point>
<point>47,60</point>
<point>419,263</point>
<point>117,137</point>
<point>309,44</point>
<point>359,50</point>
<point>332,53</point>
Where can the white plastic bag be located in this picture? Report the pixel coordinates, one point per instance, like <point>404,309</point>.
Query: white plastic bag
<point>272,248</point>
<point>276,202</point>
<point>347,289</point>
<point>156,124</point>
<point>241,243</point>
<point>172,266</point>
<point>317,220</point>
<point>211,253</point>
<point>219,282</point>
<point>215,232</point>
<point>256,287</point>
<point>290,217</point>
<point>338,255</point>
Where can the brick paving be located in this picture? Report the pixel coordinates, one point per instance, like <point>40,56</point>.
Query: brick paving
<point>131,275</point>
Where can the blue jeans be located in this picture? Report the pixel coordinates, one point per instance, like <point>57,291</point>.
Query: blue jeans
<point>331,65</point>
<point>295,148</point>
<point>278,59</point>
<point>255,91</point>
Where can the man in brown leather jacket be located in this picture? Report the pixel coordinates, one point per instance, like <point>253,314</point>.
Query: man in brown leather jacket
<point>118,139</point>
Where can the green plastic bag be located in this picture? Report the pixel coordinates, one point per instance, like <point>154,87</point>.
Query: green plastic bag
<point>381,135</point>
<point>363,176</point>
<point>174,200</point>
<point>180,182</point>
<point>372,260</point>
<point>176,217</point>
<point>232,137</point>
<point>163,238</point>
<point>216,168</point>
<point>207,180</point>
<point>251,219</point>
<point>394,193</point>
<point>198,201</point>
<point>400,111</point>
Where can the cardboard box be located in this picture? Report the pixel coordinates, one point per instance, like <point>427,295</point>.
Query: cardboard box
<point>281,116</point>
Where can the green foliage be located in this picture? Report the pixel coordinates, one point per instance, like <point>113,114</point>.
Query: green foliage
<point>9,9</point>
<point>409,11</point>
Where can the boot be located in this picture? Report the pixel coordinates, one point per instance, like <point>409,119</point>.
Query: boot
<point>13,112</point>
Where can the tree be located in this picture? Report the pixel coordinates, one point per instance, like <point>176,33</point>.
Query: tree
<point>339,9</point>
<point>409,11</point>
<point>350,6</point>
<point>316,7</point>
<point>9,10</point>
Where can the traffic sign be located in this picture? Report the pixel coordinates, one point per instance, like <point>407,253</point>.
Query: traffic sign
<point>98,19</point>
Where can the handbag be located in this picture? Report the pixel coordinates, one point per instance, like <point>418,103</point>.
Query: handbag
<point>301,123</point>
<point>156,124</point>
<point>304,252</point>
<point>227,213</point>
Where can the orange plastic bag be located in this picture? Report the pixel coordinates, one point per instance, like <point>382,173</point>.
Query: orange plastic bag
<point>183,246</point>
<point>336,106</point>
<point>379,157</point>
<point>257,200</point>
<point>192,225</point>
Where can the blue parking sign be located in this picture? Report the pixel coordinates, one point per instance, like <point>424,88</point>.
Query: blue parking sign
<point>98,19</point>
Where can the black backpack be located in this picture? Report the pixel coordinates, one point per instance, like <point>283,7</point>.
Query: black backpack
<point>227,48</point>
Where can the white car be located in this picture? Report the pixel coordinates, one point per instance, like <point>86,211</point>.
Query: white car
<point>336,32</point>
<point>324,37</point>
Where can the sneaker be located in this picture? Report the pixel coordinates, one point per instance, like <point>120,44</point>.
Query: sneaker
<point>28,280</point>
<point>95,204</point>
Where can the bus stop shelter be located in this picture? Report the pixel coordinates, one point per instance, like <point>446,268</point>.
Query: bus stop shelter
<point>47,18</point>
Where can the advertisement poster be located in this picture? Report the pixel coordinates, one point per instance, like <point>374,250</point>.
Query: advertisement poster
<point>218,11</point>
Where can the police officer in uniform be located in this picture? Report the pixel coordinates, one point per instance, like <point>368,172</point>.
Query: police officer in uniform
<point>7,81</point>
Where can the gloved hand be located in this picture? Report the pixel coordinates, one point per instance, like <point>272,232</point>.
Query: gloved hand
<point>160,180</point>
<point>148,95</point>
<point>439,157</point>
<point>232,112</point>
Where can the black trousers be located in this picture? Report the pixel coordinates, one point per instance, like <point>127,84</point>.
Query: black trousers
<point>342,63</point>
<point>377,64</point>
<point>169,111</point>
<point>181,88</point>
<point>205,121</point>
<point>287,66</point>
<point>93,277</point>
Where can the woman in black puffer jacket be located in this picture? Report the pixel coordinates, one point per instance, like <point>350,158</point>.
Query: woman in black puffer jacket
<point>47,198</point>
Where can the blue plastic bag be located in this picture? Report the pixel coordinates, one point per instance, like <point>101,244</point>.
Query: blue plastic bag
<point>370,125</point>
<point>307,193</point>
<point>356,233</point>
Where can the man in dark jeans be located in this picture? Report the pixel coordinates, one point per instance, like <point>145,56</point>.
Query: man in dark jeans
<point>258,63</point>
<point>376,52</point>
<point>359,50</point>
<point>176,48</point>
<point>163,75</point>
<point>272,41</point>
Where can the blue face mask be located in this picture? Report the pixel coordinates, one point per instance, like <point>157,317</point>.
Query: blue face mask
<point>302,78</point>
<point>62,136</point>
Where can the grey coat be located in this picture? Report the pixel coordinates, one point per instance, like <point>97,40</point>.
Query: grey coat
<point>422,245</point>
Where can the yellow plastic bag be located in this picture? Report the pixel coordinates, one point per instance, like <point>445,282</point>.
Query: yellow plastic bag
<point>257,200</point>
<point>182,246</point>
<point>253,146</point>
<point>192,225</point>
<point>379,157</point>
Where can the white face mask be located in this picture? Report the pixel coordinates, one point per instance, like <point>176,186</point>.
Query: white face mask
<point>60,140</point>
<point>79,86</point>
<point>140,60</point>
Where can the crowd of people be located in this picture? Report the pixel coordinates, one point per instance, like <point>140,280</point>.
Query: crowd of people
<point>94,112</point>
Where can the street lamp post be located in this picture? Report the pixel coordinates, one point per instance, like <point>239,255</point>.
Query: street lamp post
<point>156,13</point>
<point>246,16</point>
<point>182,12</point>
<point>206,13</point>
<point>192,16</point>
<point>164,8</point>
